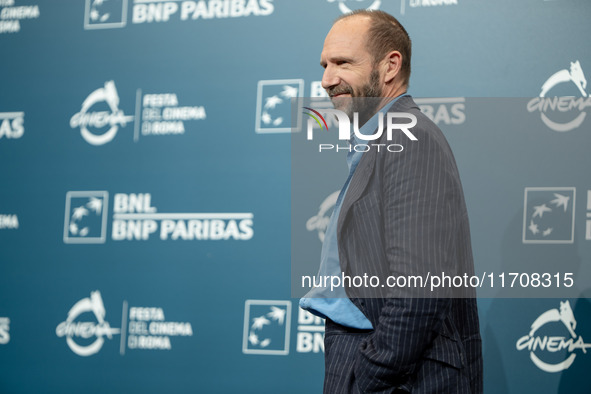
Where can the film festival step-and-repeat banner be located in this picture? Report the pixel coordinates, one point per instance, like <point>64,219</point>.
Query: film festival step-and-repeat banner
<point>163,191</point>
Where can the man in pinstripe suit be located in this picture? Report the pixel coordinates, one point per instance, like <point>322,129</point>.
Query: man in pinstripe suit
<point>398,214</point>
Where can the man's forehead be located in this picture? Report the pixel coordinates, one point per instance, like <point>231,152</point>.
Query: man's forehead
<point>355,25</point>
<point>348,33</point>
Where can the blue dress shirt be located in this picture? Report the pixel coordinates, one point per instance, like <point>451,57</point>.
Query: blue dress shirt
<point>322,301</point>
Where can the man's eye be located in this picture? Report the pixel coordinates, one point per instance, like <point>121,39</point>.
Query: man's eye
<point>341,62</point>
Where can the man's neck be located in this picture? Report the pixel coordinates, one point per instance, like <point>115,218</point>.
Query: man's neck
<point>383,103</point>
<point>390,94</point>
<point>387,99</point>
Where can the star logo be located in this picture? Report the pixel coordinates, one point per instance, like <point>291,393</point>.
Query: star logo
<point>86,217</point>
<point>549,215</point>
<point>266,327</point>
<point>105,14</point>
<point>274,105</point>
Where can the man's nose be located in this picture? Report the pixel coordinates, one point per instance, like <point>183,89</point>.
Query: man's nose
<point>330,78</point>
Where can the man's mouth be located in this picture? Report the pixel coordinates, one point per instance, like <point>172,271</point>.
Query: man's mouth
<point>341,91</point>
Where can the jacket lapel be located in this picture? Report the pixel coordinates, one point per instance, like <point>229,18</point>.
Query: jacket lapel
<point>364,169</point>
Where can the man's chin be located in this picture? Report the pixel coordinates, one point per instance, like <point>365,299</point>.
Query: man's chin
<point>344,104</point>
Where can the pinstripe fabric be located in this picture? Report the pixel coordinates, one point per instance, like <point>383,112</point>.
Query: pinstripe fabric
<point>404,214</point>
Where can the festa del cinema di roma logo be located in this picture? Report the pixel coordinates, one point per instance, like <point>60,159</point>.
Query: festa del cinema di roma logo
<point>143,327</point>
<point>100,126</point>
<point>344,134</point>
<point>562,106</point>
<point>375,5</point>
<point>79,333</point>
<point>538,345</point>
<point>157,114</point>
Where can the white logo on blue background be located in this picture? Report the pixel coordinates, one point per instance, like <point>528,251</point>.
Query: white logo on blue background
<point>266,327</point>
<point>75,330</point>
<point>374,5</point>
<point>86,217</point>
<point>319,222</point>
<point>99,127</point>
<point>562,104</point>
<point>274,105</point>
<point>540,345</point>
<point>4,330</point>
<point>549,215</point>
<point>105,14</point>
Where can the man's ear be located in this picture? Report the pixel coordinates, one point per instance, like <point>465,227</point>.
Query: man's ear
<point>392,65</point>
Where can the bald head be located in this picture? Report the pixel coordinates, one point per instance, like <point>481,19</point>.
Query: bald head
<point>383,35</point>
<point>351,66</point>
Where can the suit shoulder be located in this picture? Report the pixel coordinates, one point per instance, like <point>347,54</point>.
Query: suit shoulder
<point>425,126</point>
<point>425,131</point>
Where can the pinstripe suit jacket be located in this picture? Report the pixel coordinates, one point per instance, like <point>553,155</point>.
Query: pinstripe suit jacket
<point>404,214</point>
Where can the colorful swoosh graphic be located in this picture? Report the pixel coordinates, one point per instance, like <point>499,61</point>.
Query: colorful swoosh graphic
<point>315,118</point>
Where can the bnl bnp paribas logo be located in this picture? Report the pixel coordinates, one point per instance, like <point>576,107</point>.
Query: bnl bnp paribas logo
<point>110,14</point>
<point>105,14</point>
<point>549,215</point>
<point>274,105</point>
<point>279,106</point>
<point>567,112</point>
<point>86,217</point>
<point>12,125</point>
<point>136,219</point>
<point>548,350</point>
<point>267,329</point>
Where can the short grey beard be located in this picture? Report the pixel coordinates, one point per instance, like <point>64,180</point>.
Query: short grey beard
<point>367,108</point>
